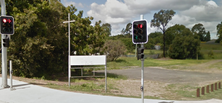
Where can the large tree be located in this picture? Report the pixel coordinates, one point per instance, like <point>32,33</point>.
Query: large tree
<point>160,20</point>
<point>173,31</point>
<point>39,46</point>
<point>184,45</point>
<point>199,30</point>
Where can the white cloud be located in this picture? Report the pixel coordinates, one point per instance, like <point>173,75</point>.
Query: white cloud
<point>68,3</point>
<point>207,12</point>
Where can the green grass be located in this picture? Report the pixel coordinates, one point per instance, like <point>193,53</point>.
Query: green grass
<point>150,52</point>
<point>216,48</point>
<point>124,62</point>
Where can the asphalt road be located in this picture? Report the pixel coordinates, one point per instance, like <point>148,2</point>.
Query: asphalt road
<point>168,76</point>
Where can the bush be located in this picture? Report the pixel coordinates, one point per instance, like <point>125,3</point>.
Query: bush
<point>114,49</point>
<point>184,47</point>
<point>211,54</point>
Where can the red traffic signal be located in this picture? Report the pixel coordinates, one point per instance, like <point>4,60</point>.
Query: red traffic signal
<point>139,32</point>
<point>7,24</point>
<point>140,26</point>
<point>4,20</point>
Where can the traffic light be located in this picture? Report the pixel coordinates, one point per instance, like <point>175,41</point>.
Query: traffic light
<point>7,25</point>
<point>140,54</point>
<point>140,32</point>
<point>6,42</point>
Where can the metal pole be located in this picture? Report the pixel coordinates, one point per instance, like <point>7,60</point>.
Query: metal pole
<point>69,71</point>
<point>142,76</point>
<point>136,50</point>
<point>105,78</point>
<point>4,50</point>
<point>10,62</point>
<point>142,71</point>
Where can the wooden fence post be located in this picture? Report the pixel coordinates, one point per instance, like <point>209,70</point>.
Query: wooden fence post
<point>212,87</point>
<point>203,91</point>
<point>215,86</point>
<point>198,92</point>
<point>208,89</point>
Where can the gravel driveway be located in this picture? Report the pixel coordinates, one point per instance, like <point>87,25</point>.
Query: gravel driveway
<point>168,76</point>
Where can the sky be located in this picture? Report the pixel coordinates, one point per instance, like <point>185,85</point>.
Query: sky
<point>119,13</point>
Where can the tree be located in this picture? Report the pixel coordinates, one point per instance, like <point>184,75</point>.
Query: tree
<point>173,31</point>
<point>198,29</point>
<point>219,33</point>
<point>184,45</point>
<point>114,49</point>
<point>208,36</point>
<point>160,20</point>
<point>107,28</point>
<point>39,45</point>
<point>127,31</point>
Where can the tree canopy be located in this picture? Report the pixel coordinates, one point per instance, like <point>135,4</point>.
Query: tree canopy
<point>199,30</point>
<point>39,46</point>
<point>160,20</point>
<point>184,45</point>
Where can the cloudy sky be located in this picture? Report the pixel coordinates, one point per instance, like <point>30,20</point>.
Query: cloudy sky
<point>120,12</point>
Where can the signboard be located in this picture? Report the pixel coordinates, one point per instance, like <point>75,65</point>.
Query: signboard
<point>87,60</point>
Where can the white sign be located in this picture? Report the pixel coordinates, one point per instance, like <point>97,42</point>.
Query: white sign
<point>88,60</point>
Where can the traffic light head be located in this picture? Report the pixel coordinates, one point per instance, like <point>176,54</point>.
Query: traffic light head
<point>140,32</point>
<point>7,24</point>
<point>140,54</point>
<point>6,42</point>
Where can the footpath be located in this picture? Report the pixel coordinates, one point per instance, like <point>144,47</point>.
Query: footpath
<point>28,93</point>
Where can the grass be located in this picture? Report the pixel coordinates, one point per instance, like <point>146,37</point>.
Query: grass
<point>124,62</point>
<point>215,48</point>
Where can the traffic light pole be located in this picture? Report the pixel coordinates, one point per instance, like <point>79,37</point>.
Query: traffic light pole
<point>4,50</point>
<point>142,71</point>
<point>142,76</point>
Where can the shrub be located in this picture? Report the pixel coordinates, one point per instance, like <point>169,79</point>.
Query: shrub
<point>114,49</point>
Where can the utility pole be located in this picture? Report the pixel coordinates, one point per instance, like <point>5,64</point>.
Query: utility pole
<point>4,50</point>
